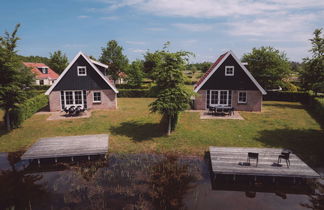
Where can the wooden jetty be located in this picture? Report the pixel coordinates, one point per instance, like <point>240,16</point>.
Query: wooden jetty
<point>233,161</point>
<point>67,146</point>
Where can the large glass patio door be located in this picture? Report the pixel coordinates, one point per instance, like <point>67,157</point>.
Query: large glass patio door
<point>219,98</point>
<point>73,98</point>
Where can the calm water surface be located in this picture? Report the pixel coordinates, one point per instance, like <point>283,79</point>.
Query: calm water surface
<point>141,181</point>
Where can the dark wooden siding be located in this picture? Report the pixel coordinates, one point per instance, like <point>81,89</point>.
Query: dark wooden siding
<point>240,80</point>
<point>102,69</point>
<point>71,80</point>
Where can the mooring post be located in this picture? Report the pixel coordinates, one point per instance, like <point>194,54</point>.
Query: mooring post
<point>72,159</point>
<point>88,157</point>
<point>234,177</point>
<point>55,160</point>
<point>38,160</point>
<point>254,178</point>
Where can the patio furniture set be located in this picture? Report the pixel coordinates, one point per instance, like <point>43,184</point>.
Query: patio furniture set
<point>221,110</point>
<point>73,111</point>
<point>284,155</point>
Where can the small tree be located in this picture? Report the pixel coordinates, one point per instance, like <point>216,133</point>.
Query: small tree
<point>312,76</point>
<point>14,76</point>
<point>58,61</point>
<point>112,55</point>
<point>172,97</point>
<point>269,66</point>
<point>135,73</point>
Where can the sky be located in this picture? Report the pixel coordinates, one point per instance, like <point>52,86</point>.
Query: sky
<point>205,27</point>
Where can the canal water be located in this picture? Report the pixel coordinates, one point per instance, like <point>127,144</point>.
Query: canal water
<point>142,181</point>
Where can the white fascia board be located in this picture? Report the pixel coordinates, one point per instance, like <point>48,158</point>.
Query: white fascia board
<point>211,73</point>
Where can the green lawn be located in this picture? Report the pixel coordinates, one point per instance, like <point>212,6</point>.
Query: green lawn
<point>133,129</point>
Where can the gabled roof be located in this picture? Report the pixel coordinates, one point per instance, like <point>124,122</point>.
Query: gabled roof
<point>217,64</point>
<point>39,74</point>
<point>98,63</point>
<point>91,64</point>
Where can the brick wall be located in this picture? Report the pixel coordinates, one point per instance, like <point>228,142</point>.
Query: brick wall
<point>254,101</point>
<point>108,100</point>
<point>201,100</point>
<point>55,101</point>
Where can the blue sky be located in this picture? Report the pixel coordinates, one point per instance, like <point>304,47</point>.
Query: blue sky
<point>204,27</point>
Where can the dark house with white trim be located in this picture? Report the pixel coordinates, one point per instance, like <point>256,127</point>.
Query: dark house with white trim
<point>228,83</point>
<point>83,83</point>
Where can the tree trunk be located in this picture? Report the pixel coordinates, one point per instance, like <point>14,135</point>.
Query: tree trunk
<point>169,125</point>
<point>7,120</point>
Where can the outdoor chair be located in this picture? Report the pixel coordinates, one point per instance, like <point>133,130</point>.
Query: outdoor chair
<point>285,156</point>
<point>253,155</point>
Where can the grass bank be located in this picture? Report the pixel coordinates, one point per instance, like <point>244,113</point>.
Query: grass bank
<point>133,129</point>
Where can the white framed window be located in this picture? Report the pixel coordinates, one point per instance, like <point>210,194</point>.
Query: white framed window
<point>219,98</point>
<point>82,70</point>
<point>242,97</point>
<point>96,97</point>
<point>229,70</point>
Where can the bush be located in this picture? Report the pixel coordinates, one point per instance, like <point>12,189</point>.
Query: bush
<point>25,110</point>
<point>128,86</point>
<point>316,107</point>
<point>302,97</point>
<point>133,93</point>
<point>40,87</point>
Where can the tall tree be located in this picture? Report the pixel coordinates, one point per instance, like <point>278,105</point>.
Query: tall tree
<point>269,66</point>
<point>58,61</point>
<point>312,76</point>
<point>14,76</point>
<point>135,73</point>
<point>112,55</point>
<point>172,97</point>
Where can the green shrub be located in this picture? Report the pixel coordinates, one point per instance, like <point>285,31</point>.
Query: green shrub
<point>302,97</point>
<point>128,86</point>
<point>133,93</point>
<point>40,87</point>
<point>316,107</point>
<point>27,109</point>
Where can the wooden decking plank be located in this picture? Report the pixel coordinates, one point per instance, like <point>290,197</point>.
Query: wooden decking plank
<point>225,160</point>
<point>67,146</point>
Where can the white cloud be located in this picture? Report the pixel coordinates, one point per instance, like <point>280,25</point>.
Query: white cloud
<point>137,50</point>
<point>194,27</point>
<point>135,42</point>
<point>213,8</point>
<point>83,16</point>
<point>110,18</point>
<point>275,28</point>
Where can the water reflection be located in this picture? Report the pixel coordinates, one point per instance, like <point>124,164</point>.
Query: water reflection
<point>141,181</point>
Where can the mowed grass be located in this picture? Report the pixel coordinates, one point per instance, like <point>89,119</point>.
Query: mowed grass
<point>133,129</point>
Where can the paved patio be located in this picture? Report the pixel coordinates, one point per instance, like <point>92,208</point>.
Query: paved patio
<point>204,115</point>
<point>62,115</point>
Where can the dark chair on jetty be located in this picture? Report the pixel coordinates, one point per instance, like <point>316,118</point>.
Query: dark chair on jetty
<point>253,155</point>
<point>284,155</point>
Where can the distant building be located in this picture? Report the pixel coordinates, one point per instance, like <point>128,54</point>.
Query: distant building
<point>228,83</point>
<point>83,83</point>
<point>43,74</point>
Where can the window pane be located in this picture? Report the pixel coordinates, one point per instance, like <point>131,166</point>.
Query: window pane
<point>78,97</point>
<point>96,96</point>
<point>214,97</point>
<point>69,97</point>
<point>223,97</point>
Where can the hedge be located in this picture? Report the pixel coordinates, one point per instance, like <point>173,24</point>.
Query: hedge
<point>40,87</point>
<point>135,93</point>
<point>27,109</point>
<point>128,86</point>
<point>316,107</point>
<point>302,97</point>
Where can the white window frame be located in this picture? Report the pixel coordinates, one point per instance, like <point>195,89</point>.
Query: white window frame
<point>81,67</point>
<point>219,94</point>
<point>238,98</point>
<point>229,67</point>
<point>93,97</point>
<point>73,98</point>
